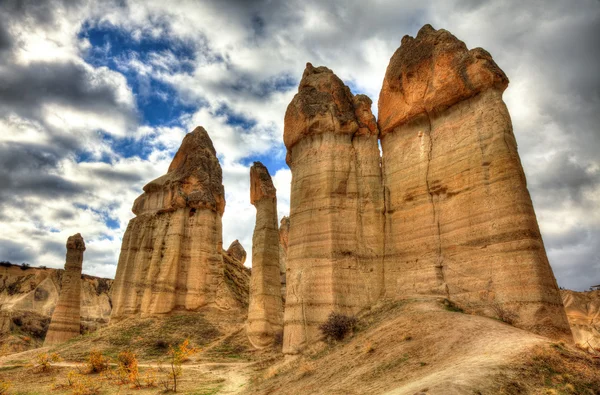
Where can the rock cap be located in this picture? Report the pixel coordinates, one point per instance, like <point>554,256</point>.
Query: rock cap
<point>194,179</point>
<point>236,250</point>
<point>433,71</point>
<point>76,242</point>
<point>261,184</point>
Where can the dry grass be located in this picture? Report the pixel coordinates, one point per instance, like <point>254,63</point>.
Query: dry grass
<point>553,369</point>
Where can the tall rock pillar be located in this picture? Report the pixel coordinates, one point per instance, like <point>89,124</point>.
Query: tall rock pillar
<point>265,312</point>
<point>65,322</point>
<point>334,257</point>
<point>284,232</point>
<point>459,219</point>
<point>171,251</point>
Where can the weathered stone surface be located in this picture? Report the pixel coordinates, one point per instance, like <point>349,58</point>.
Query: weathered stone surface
<point>265,312</point>
<point>236,251</point>
<point>171,253</point>
<point>284,231</point>
<point>583,312</point>
<point>65,323</point>
<point>335,244</point>
<point>459,218</point>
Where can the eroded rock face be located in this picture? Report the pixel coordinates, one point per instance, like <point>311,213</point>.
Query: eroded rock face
<point>265,312</point>
<point>284,231</point>
<point>335,244</point>
<point>459,219</point>
<point>171,252</point>
<point>65,323</point>
<point>583,312</point>
<point>236,251</point>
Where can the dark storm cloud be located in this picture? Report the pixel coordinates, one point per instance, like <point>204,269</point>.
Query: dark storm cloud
<point>24,171</point>
<point>16,252</point>
<point>24,89</point>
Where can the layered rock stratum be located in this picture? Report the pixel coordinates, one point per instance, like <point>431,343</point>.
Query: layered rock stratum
<point>583,312</point>
<point>336,210</point>
<point>265,312</point>
<point>236,251</point>
<point>171,256</point>
<point>65,322</point>
<point>459,219</point>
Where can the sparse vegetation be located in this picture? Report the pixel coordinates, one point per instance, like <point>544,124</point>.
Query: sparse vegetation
<point>97,363</point>
<point>337,326</point>
<point>176,356</point>
<point>44,361</point>
<point>504,314</point>
<point>4,387</point>
<point>558,370</point>
<point>452,306</point>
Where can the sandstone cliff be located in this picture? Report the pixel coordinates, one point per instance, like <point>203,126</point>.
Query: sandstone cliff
<point>237,251</point>
<point>459,218</point>
<point>171,252</point>
<point>284,231</point>
<point>583,312</point>
<point>336,209</point>
<point>65,322</point>
<point>265,312</point>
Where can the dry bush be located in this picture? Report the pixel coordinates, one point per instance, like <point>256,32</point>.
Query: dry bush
<point>337,326</point>
<point>503,314</point>
<point>97,362</point>
<point>306,368</point>
<point>84,385</point>
<point>44,361</point>
<point>127,368</point>
<point>368,347</point>
<point>175,357</point>
<point>4,387</point>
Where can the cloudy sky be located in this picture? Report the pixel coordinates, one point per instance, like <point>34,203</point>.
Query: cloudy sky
<point>96,96</point>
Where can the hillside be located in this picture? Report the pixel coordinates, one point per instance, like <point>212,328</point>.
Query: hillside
<point>416,346</point>
<point>28,296</point>
<point>583,312</point>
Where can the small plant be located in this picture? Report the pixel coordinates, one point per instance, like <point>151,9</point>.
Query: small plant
<point>44,361</point>
<point>337,326</point>
<point>503,314</point>
<point>127,368</point>
<point>97,362</point>
<point>451,306</point>
<point>175,358</point>
<point>84,385</point>
<point>278,339</point>
<point>4,387</point>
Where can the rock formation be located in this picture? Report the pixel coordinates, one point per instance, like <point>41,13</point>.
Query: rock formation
<point>459,219</point>
<point>335,244</point>
<point>65,323</point>
<point>171,252</point>
<point>284,231</point>
<point>265,312</point>
<point>237,251</point>
<point>583,312</point>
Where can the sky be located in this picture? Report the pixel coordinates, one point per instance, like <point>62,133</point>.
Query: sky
<point>96,96</point>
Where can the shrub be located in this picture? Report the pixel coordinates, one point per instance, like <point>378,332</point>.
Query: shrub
<point>503,314</point>
<point>44,361</point>
<point>337,326</point>
<point>127,368</point>
<point>97,362</point>
<point>4,387</point>
<point>175,357</point>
